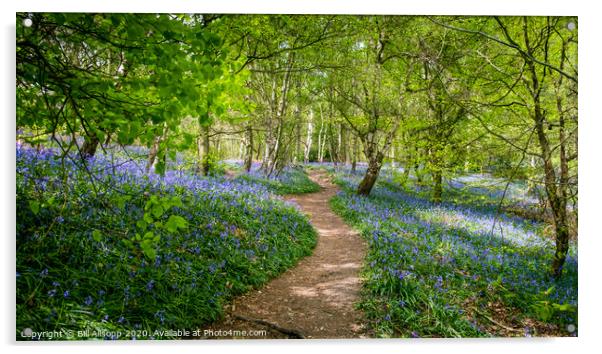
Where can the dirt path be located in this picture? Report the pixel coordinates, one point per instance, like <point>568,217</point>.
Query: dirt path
<point>315,298</point>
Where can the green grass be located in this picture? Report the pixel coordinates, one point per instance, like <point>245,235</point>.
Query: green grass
<point>290,181</point>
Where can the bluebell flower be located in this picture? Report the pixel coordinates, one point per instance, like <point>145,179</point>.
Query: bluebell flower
<point>160,315</point>
<point>212,268</point>
<point>88,300</point>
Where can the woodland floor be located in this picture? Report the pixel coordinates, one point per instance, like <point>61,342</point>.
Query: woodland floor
<point>316,298</point>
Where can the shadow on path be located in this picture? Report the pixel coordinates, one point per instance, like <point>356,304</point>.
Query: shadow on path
<point>316,298</point>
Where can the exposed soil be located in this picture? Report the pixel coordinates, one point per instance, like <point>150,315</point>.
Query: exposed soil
<point>316,298</point>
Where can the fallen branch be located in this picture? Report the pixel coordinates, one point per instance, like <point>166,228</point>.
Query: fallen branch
<point>289,332</point>
<point>496,322</point>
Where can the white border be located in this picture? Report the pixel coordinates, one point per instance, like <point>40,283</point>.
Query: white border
<point>589,172</point>
<point>415,7</point>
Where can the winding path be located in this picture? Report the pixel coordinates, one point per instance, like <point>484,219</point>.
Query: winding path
<point>316,298</point>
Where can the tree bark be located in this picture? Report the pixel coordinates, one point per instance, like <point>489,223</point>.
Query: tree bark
<point>321,137</point>
<point>367,183</point>
<point>334,158</point>
<point>437,186</point>
<point>344,145</point>
<point>249,149</point>
<point>152,154</point>
<point>90,146</point>
<point>562,227</point>
<point>154,151</point>
<point>375,155</point>
<point>310,132</point>
<point>355,154</point>
<point>204,146</point>
<point>553,191</point>
<point>297,137</point>
<point>279,107</point>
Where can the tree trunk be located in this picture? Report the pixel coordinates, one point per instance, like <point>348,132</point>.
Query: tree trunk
<point>308,141</point>
<point>334,158</point>
<point>437,186</point>
<point>217,145</point>
<point>344,146</point>
<point>266,151</point>
<point>374,165</point>
<point>340,151</point>
<point>107,140</point>
<point>406,175</point>
<point>417,170</point>
<point>203,146</point>
<point>321,137</point>
<point>273,160</point>
<point>89,147</point>
<point>561,219</point>
<point>407,164</point>
<point>154,151</point>
<point>355,154</point>
<point>152,154</point>
<point>279,107</point>
<point>375,155</point>
<point>258,155</point>
<point>249,149</point>
<point>297,137</point>
<point>554,192</point>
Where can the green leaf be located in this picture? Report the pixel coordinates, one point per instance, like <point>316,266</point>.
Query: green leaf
<point>148,251</point>
<point>157,211</point>
<point>176,202</point>
<point>120,201</point>
<point>564,307</point>
<point>188,139</point>
<point>160,167</point>
<point>549,291</point>
<point>148,218</point>
<point>180,221</point>
<point>176,222</point>
<point>141,224</point>
<point>96,235</point>
<point>34,206</point>
<point>204,119</point>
